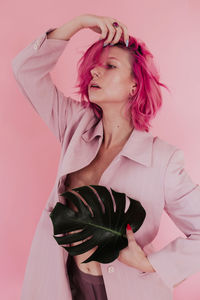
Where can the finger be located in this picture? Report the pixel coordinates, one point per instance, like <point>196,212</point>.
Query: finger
<point>128,226</point>
<point>104,30</point>
<point>130,235</point>
<point>117,36</point>
<point>111,33</point>
<point>125,31</point>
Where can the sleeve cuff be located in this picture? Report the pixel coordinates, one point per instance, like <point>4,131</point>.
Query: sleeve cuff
<point>162,265</point>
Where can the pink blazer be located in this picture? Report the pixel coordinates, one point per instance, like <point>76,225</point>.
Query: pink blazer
<point>147,169</point>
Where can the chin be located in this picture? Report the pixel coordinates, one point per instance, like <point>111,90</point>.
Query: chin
<point>93,100</point>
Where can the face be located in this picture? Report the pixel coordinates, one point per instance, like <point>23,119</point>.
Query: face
<point>113,75</point>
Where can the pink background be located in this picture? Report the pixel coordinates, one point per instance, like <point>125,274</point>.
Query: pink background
<point>30,152</point>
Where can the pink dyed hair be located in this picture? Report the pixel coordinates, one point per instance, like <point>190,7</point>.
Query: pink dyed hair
<point>147,99</point>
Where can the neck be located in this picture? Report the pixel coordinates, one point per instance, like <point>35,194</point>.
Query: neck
<point>116,130</point>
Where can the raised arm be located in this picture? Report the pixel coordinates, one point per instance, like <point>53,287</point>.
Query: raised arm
<point>31,69</point>
<point>66,31</point>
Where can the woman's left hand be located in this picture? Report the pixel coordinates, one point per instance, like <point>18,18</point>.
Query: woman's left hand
<point>133,255</point>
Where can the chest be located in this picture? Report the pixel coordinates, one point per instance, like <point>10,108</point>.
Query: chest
<point>91,174</point>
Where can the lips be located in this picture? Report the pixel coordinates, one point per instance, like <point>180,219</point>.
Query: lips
<point>94,84</point>
<point>95,87</point>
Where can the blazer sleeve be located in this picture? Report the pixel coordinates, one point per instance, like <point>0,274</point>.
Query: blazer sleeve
<point>31,69</point>
<point>181,257</point>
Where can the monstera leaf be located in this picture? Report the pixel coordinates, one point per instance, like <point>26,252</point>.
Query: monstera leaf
<point>107,228</point>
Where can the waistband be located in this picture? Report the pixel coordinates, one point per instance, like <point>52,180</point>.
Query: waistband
<point>95,279</point>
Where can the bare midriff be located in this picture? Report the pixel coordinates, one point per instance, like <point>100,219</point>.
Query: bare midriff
<point>89,175</point>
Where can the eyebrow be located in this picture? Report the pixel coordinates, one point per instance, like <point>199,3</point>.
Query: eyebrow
<point>113,57</point>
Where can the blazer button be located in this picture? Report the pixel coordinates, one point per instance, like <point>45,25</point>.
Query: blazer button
<point>36,45</point>
<point>111,269</point>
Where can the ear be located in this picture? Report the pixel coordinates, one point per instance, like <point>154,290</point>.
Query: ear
<point>132,90</point>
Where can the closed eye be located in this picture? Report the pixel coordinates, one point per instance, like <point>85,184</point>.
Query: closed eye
<point>110,65</point>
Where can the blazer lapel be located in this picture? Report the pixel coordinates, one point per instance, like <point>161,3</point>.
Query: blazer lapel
<point>138,147</point>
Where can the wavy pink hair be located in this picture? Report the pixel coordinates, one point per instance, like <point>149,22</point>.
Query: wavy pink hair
<point>147,99</point>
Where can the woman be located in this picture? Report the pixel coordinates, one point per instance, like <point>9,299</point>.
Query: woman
<point>106,141</point>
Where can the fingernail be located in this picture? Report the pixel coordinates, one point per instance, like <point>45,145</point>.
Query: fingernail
<point>127,41</point>
<point>128,227</point>
<point>105,44</point>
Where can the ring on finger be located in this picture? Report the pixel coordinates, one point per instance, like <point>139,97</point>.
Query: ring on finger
<point>115,24</point>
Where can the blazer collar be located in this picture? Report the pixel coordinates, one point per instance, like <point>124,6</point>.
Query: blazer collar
<point>138,147</point>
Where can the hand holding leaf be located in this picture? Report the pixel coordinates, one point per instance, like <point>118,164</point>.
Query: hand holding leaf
<point>132,255</point>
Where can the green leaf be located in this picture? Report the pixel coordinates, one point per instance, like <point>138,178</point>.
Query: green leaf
<point>98,220</point>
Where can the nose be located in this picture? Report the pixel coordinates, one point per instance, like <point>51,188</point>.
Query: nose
<point>96,71</point>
